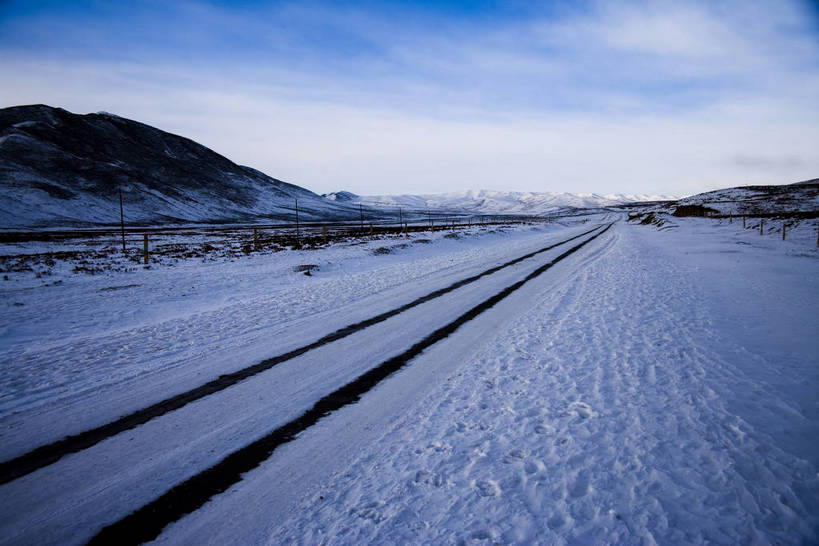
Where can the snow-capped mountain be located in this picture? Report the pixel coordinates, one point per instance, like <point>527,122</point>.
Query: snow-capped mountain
<point>496,202</point>
<point>59,169</point>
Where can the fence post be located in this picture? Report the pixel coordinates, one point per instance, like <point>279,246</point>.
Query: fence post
<point>762,226</point>
<point>255,239</point>
<point>743,222</point>
<point>406,229</point>
<point>784,228</point>
<point>371,232</point>
<point>731,219</point>
<point>145,247</point>
<point>324,233</point>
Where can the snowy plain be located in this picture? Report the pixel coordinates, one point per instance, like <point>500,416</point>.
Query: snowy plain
<point>659,386</point>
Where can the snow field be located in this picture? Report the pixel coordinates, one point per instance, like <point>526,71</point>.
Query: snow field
<point>144,462</point>
<point>66,342</point>
<point>630,403</point>
<point>654,387</point>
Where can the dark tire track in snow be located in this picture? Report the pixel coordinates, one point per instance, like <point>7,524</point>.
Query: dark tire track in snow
<point>50,453</point>
<point>147,522</point>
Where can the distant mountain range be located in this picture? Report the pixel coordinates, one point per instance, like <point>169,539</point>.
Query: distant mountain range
<point>64,170</point>
<point>495,202</point>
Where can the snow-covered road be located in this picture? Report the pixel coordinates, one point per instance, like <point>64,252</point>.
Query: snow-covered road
<point>653,386</point>
<point>118,342</point>
<point>148,460</point>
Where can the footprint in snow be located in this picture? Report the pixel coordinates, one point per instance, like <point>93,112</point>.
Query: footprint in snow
<point>488,488</point>
<point>579,486</point>
<point>371,511</point>
<point>484,534</point>
<point>556,522</point>
<point>532,467</point>
<point>428,478</point>
<point>515,456</point>
<point>544,429</point>
<point>582,410</point>
<point>439,447</point>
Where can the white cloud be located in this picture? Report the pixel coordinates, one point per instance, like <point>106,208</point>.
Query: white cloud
<point>620,99</point>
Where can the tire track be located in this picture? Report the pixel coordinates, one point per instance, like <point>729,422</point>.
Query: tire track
<point>50,453</point>
<point>147,522</point>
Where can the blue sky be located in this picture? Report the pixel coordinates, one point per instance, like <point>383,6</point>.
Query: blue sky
<point>415,97</point>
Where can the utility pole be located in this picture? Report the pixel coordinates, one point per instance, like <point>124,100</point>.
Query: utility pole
<point>122,220</point>
<point>361,215</point>
<point>298,236</point>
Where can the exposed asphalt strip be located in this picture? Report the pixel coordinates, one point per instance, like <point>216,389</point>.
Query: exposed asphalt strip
<point>50,453</point>
<point>147,522</point>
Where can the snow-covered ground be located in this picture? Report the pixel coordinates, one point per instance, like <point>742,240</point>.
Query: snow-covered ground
<point>67,333</point>
<point>658,386</point>
<point>785,200</point>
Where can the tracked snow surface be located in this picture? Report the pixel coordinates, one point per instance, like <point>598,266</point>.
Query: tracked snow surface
<point>656,386</point>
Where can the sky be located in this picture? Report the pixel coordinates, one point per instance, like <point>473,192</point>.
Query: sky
<point>635,97</point>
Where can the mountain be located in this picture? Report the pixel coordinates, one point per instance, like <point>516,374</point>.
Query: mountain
<point>495,202</point>
<point>800,198</point>
<point>59,169</point>
<point>342,196</point>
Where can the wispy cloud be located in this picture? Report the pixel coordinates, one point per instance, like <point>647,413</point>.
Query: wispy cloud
<point>634,97</point>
